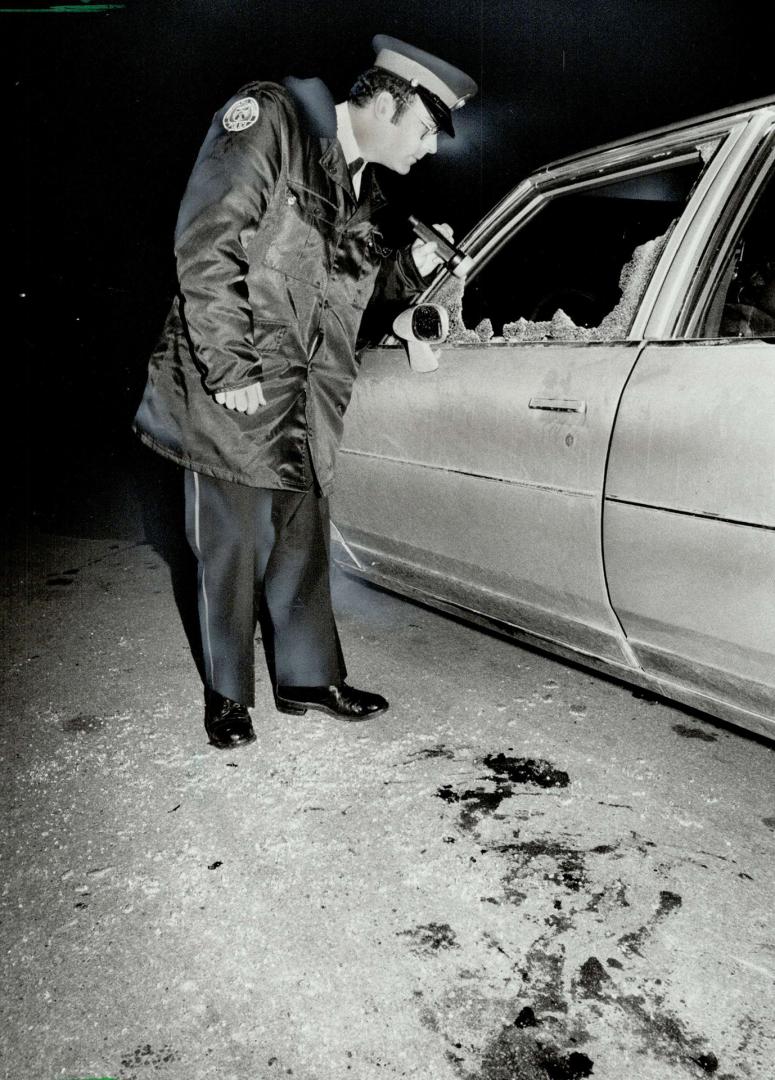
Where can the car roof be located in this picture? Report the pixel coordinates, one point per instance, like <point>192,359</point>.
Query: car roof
<point>719,118</point>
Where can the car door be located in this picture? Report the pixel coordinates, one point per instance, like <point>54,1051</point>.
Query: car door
<point>481,484</point>
<point>689,526</point>
<point>689,523</point>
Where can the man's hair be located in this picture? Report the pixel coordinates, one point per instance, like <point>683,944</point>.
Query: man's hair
<point>374,81</point>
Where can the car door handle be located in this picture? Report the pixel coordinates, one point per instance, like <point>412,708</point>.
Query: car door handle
<point>557,404</point>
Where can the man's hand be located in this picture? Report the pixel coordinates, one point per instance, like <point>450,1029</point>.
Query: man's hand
<point>247,400</point>
<point>424,253</point>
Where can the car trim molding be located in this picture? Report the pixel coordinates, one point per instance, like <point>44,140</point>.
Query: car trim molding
<point>691,513</point>
<point>467,472</point>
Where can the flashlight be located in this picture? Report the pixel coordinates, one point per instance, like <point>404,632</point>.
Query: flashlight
<point>456,261</point>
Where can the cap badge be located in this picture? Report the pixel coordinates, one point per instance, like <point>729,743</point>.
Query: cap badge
<point>242,114</point>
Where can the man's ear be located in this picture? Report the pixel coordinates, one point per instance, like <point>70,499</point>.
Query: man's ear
<point>384,106</point>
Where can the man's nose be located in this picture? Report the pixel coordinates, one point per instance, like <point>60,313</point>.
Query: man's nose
<point>429,144</point>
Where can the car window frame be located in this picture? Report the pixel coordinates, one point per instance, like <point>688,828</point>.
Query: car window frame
<point>531,197</point>
<point>527,200</point>
<point>731,223</point>
<point>667,302</point>
<point>657,162</point>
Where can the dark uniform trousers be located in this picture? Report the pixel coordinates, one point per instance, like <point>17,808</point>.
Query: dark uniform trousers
<point>263,556</point>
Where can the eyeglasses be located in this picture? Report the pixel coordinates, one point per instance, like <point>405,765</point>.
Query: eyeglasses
<point>431,129</point>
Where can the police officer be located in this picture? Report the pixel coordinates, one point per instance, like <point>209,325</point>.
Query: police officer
<point>278,252</point>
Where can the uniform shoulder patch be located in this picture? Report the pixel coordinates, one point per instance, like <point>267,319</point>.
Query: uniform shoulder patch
<point>241,115</point>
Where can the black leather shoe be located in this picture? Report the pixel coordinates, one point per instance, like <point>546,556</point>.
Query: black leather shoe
<point>343,701</point>
<point>227,723</point>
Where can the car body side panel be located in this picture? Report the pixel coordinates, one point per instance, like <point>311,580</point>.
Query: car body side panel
<point>488,474</point>
<point>505,531</point>
<point>462,593</point>
<point>695,431</point>
<point>689,522</point>
<point>697,598</point>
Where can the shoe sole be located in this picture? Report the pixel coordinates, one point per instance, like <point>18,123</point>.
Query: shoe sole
<point>232,745</point>
<point>294,708</point>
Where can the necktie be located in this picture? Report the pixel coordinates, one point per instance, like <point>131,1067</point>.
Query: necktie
<point>354,166</point>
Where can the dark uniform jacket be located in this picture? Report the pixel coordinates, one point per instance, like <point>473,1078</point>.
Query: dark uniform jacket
<point>276,263</point>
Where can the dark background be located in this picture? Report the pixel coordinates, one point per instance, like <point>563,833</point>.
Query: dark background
<point>107,112</point>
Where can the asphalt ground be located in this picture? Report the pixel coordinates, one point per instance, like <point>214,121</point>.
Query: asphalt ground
<point>523,871</point>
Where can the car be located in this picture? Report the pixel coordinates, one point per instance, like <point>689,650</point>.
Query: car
<point>591,465</point>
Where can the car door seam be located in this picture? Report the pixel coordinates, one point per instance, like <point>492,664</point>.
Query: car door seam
<point>624,642</point>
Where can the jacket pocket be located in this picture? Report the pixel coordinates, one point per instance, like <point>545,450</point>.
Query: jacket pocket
<point>268,338</point>
<point>296,244</point>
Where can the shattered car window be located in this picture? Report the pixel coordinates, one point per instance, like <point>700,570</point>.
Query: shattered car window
<point>633,281</point>
<point>578,269</point>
